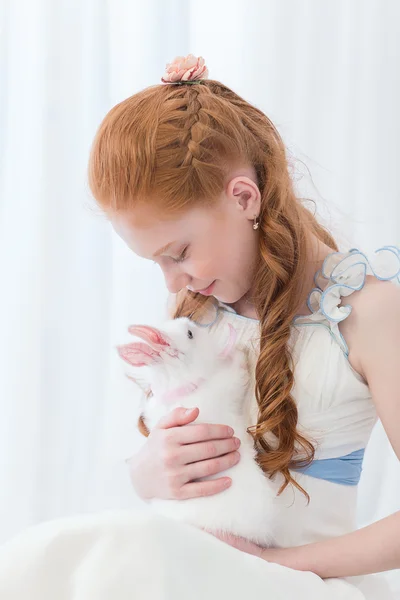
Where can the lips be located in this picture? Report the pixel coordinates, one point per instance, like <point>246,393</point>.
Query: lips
<point>207,291</point>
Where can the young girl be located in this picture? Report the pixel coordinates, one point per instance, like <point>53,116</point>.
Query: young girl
<point>196,179</point>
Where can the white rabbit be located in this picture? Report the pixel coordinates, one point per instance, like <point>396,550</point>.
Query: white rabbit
<point>187,366</point>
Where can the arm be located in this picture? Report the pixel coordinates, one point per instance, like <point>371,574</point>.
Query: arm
<point>368,550</point>
<point>375,335</point>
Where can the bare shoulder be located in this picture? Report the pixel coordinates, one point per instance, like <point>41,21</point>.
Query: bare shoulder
<point>375,312</point>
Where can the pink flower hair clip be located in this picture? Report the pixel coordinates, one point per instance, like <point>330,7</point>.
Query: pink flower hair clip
<point>185,69</point>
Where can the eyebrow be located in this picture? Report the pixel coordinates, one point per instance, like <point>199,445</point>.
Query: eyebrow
<point>163,249</point>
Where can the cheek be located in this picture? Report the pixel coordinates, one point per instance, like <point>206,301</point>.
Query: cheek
<point>204,262</point>
<point>201,269</point>
<point>224,255</point>
<point>238,254</point>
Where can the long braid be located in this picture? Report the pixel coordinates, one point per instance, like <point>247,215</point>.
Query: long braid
<point>173,146</point>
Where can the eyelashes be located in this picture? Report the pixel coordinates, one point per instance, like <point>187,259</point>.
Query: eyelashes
<point>182,257</point>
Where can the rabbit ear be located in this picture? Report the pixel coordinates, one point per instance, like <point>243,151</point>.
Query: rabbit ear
<point>154,337</point>
<point>229,347</point>
<point>138,354</point>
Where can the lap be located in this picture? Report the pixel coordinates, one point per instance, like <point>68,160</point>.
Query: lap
<point>126,554</point>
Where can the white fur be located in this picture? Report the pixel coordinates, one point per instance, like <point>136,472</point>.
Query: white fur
<point>247,508</point>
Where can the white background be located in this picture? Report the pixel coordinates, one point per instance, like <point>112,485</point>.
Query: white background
<point>325,71</point>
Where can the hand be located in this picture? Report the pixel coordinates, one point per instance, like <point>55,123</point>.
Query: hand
<point>179,451</point>
<point>281,556</point>
<point>239,543</point>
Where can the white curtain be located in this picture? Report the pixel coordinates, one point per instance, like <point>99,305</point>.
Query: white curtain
<point>327,74</point>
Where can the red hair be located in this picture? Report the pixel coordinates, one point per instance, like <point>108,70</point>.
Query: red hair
<point>173,146</point>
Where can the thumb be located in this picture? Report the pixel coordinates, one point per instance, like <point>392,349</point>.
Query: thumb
<point>178,416</point>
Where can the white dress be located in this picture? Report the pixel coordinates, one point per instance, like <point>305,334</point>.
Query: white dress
<point>123,555</point>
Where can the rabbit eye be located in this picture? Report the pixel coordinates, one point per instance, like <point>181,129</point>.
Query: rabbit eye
<point>190,334</point>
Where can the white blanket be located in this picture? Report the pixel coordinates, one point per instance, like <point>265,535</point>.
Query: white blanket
<point>134,555</point>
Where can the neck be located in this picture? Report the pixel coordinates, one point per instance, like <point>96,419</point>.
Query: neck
<point>317,252</point>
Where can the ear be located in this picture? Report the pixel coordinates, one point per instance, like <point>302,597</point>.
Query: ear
<point>229,347</point>
<point>154,337</point>
<point>138,354</point>
<point>246,195</point>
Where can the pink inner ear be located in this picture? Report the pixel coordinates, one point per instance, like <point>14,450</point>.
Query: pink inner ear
<point>151,335</point>
<point>230,344</point>
<point>138,354</point>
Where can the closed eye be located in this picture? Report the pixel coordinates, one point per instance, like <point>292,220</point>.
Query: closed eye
<point>182,256</point>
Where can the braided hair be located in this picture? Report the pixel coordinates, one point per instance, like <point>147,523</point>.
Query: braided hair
<point>173,146</point>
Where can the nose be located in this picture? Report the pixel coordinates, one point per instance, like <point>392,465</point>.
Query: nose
<point>175,280</point>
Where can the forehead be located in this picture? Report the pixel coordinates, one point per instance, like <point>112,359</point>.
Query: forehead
<point>145,230</point>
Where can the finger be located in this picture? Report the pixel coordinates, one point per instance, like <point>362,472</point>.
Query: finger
<point>204,468</point>
<point>201,432</point>
<point>190,453</point>
<point>178,416</point>
<point>204,488</point>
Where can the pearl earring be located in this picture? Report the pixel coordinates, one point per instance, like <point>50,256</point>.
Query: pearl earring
<point>256,223</point>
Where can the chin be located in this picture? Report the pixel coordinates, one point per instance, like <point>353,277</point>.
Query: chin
<point>229,298</point>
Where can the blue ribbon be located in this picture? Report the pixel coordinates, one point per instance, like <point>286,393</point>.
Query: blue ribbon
<point>345,470</point>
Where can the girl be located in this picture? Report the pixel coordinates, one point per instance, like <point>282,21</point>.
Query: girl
<point>196,179</point>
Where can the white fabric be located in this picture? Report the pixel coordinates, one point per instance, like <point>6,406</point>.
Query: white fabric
<point>334,404</point>
<point>125,555</point>
<point>70,287</point>
<point>129,554</point>
<point>323,72</point>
